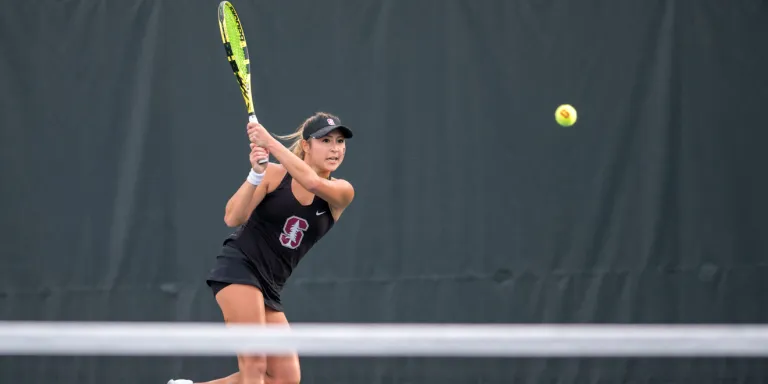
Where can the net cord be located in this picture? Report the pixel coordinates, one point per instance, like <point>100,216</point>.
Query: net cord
<point>332,339</point>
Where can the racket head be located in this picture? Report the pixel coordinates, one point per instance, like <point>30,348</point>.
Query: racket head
<point>236,48</point>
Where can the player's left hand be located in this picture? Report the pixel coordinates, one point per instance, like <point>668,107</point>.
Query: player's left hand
<point>258,135</point>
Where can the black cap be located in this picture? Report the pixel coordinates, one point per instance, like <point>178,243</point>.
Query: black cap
<point>320,126</point>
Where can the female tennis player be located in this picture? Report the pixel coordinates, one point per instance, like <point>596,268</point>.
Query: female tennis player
<point>281,211</point>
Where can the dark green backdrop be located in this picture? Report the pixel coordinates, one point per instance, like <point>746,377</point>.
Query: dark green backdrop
<point>123,137</point>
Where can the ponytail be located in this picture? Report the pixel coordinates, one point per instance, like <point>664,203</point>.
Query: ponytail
<point>297,138</point>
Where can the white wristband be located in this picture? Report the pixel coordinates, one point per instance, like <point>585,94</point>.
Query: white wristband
<point>255,178</point>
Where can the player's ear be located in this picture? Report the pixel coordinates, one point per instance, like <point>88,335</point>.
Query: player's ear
<point>305,145</point>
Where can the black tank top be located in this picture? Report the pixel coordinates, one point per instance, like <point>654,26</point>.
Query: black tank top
<point>280,231</point>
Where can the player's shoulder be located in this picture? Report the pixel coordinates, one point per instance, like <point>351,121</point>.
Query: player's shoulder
<point>346,187</point>
<point>275,168</point>
<point>341,181</point>
<point>274,173</point>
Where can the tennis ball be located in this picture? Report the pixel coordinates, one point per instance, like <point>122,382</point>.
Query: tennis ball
<point>565,115</point>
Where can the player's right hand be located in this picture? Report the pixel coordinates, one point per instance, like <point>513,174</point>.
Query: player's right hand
<point>258,153</point>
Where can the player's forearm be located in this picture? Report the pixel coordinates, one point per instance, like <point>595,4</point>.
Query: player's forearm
<point>236,211</point>
<point>296,167</point>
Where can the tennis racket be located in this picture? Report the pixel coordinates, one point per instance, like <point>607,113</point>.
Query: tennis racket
<point>233,38</point>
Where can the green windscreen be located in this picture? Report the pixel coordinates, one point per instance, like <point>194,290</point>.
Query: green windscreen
<point>236,37</point>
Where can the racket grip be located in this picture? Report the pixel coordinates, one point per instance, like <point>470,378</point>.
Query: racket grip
<point>252,118</point>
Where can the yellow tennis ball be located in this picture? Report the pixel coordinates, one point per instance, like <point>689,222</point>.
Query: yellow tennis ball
<point>566,115</point>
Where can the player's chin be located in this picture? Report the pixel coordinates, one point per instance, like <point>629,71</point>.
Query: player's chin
<point>332,165</point>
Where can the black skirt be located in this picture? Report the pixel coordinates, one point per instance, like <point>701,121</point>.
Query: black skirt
<point>234,267</point>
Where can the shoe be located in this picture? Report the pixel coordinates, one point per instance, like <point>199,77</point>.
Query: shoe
<point>179,381</point>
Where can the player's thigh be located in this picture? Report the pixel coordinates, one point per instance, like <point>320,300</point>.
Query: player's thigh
<point>283,369</point>
<point>241,303</point>
<point>244,304</point>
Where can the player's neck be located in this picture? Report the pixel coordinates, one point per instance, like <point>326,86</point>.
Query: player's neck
<point>320,172</point>
<point>323,174</point>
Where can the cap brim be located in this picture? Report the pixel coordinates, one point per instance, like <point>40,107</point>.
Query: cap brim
<point>346,132</point>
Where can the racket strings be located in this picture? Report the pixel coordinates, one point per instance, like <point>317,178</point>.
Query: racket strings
<point>236,44</point>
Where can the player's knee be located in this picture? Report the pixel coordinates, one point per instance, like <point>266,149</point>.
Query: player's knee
<point>253,367</point>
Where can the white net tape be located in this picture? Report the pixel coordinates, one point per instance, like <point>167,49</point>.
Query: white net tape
<point>467,340</point>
